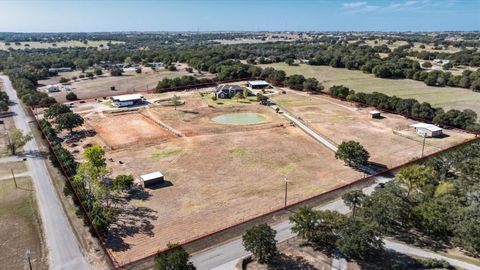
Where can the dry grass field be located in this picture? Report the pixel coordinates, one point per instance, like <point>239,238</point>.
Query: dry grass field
<point>61,44</point>
<point>389,140</point>
<point>445,97</point>
<point>20,229</point>
<point>216,175</point>
<point>128,82</point>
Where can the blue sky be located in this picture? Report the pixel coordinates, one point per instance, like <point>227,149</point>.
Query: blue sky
<point>219,15</point>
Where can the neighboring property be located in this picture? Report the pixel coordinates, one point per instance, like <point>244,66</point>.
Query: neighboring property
<point>127,100</point>
<point>441,61</point>
<point>427,130</point>
<point>227,90</point>
<point>52,88</point>
<point>375,114</point>
<point>60,69</point>
<point>152,179</point>
<point>156,64</point>
<point>258,84</point>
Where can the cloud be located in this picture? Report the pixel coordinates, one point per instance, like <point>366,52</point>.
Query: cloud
<point>354,7</point>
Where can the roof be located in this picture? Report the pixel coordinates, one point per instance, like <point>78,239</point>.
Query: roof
<point>228,87</point>
<point>258,83</point>
<point>128,97</point>
<point>374,112</point>
<point>429,127</point>
<point>151,176</point>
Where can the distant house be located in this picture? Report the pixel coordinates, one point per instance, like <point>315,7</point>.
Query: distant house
<point>152,179</point>
<point>227,90</point>
<point>427,130</point>
<point>441,61</point>
<point>258,84</point>
<point>52,88</point>
<point>156,64</point>
<point>127,100</point>
<point>60,69</point>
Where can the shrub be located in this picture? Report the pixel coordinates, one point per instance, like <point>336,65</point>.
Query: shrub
<point>71,96</point>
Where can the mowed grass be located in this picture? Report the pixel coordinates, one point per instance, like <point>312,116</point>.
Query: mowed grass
<point>445,97</point>
<point>20,227</point>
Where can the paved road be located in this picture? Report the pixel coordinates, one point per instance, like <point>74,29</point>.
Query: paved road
<point>225,256</point>
<point>63,249</point>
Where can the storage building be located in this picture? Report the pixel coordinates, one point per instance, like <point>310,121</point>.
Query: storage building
<point>427,130</point>
<point>152,179</point>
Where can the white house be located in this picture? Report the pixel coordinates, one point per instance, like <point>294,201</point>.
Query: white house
<point>427,130</point>
<point>52,88</point>
<point>127,100</point>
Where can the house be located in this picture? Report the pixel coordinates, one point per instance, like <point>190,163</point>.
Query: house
<point>375,114</point>
<point>227,90</point>
<point>152,179</point>
<point>427,130</point>
<point>258,84</point>
<point>52,88</point>
<point>441,61</point>
<point>127,100</point>
<point>60,69</point>
<point>156,64</point>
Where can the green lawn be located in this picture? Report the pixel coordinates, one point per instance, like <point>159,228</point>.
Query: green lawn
<point>445,97</point>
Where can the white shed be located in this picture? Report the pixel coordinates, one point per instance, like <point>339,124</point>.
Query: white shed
<point>152,178</point>
<point>127,100</point>
<point>427,130</point>
<point>258,84</point>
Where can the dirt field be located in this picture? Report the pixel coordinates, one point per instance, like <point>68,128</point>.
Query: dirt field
<point>445,97</point>
<point>20,228</point>
<point>216,175</point>
<point>128,82</point>
<point>390,140</point>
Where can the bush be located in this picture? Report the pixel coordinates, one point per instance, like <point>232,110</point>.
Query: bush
<point>63,80</point>
<point>98,71</point>
<point>71,96</point>
<point>435,263</point>
<point>172,68</point>
<point>112,88</point>
<point>189,69</point>
<point>116,72</point>
<point>427,64</point>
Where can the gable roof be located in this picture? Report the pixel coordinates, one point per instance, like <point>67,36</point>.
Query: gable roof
<point>429,127</point>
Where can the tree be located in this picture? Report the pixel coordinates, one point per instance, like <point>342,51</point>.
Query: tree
<point>189,69</point>
<point>427,64</point>
<point>174,258</point>
<point>122,182</point>
<point>414,177</point>
<point>260,240</point>
<point>175,100</point>
<point>3,106</point>
<point>138,70</point>
<point>71,96</point>
<point>357,239</point>
<point>63,80</point>
<point>354,200</point>
<point>98,71</point>
<point>172,68</point>
<point>82,64</point>
<point>306,223</point>
<point>353,153</point>
<point>238,96</point>
<point>56,110</point>
<point>69,121</point>
<point>115,72</point>
<point>16,139</point>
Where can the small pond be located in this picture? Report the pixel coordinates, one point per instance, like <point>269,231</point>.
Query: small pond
<point>240,119</point>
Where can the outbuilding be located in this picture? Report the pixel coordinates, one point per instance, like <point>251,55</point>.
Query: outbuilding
<point>258,84</point>
<point>152,179</point>
<point>427,130</point>
<point>52,88</point>
<point>375,114</point>
<point>127,100</point>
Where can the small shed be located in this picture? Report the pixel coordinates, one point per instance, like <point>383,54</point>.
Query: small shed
<point>151,179</point>
<point>427,130</point>
<point>258,84</point>
<point>375,114</point>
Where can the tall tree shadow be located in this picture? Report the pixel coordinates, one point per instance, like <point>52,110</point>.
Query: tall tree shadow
<point>132,220</point>
<point>284,262</point>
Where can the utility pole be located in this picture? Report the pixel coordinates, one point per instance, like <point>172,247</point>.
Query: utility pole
<point>29,260</point>
<point>285,179</point>
<point>14,180</point>
<point>423,145</point>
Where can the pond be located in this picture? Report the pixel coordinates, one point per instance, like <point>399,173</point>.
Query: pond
<point>240,119</point>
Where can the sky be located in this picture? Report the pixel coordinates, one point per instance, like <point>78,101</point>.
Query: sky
<point>236,15</point>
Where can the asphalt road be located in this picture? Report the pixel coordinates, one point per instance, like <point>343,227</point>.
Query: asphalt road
<point>63,249</point>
